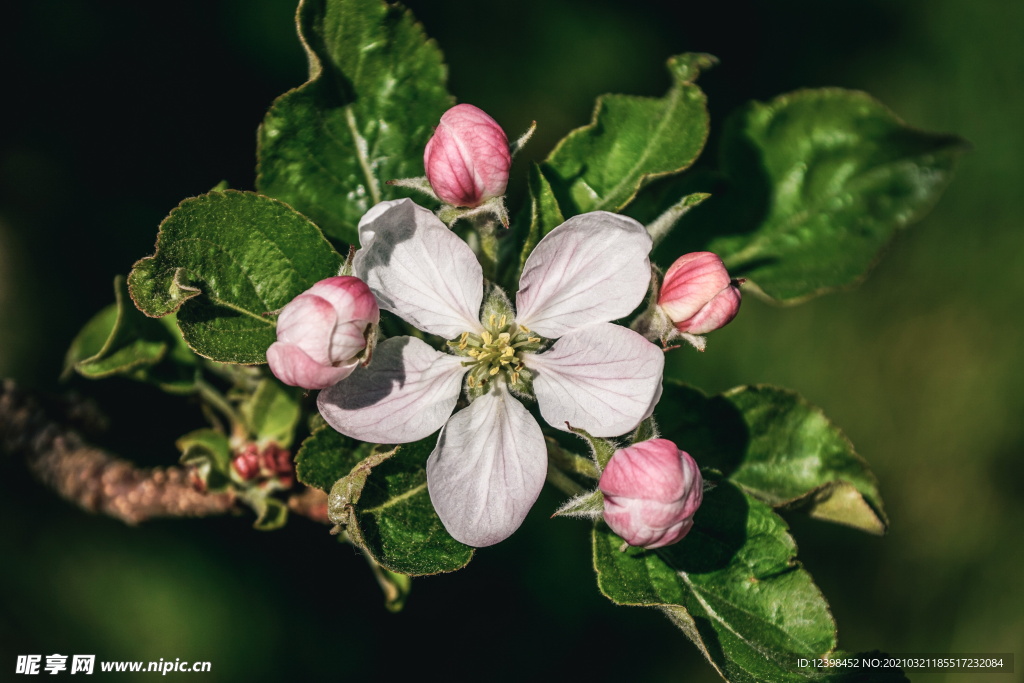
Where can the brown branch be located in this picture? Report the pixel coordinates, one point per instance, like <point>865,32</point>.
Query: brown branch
<point>97,481</point>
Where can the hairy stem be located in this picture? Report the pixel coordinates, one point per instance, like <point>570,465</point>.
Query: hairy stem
<point>488,255</point>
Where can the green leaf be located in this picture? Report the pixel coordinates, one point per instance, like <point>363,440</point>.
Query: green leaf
<point>778,448</point>
<point>205,443</point>
<point>326,456</point>
<point>630,141</point>
<point>376,88</point>
<point>386,510</point>
<point>117,340</point>
<point>209,452</point>
<point>732,585</point>
<point>601,450</point>
<point>271,513</point>
<point>814,185</point>
<point>545,216</point>
<point>586,506</point>
<point>230,257</point>
<point>272,412</point>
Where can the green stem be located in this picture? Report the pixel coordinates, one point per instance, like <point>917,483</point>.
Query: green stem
<point>216,399</point>
<point>562,482</point>
<point>246,377</point>
<point>486,229</point>
<point>571,462</point>
<point>395,586</point>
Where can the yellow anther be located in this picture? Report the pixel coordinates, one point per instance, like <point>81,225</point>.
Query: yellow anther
<point>471,382</point>
<point>491,319</point>
<point>510,352</point>
<point>474,353</point>
<point>505,337</point>
<point>486,336</point>
<point>464,337</point>
<point>525,329</point>
<point>535,340</point>
<point>504,319</point>
<point>494,371</point>
<point>515,378</point>
<point>505,361</point>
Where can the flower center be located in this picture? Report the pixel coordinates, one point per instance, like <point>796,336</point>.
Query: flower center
<point>498,349</point>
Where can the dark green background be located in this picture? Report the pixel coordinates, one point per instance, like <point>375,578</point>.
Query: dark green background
<point>114,111</point>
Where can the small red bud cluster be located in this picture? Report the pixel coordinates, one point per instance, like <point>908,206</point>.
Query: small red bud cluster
<point>272,461</point>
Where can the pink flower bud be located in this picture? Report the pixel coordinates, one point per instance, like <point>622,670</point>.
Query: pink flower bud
<point>651,490</point>
<point>247,462</point>
<point>467,160</point>
<point>276,461</point>
<point>321,332</point>
<point>697,294</point>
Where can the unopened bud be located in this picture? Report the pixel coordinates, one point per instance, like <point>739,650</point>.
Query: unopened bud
<point>467,160</point>
<point>651,491</point>
<point>321,333</point>
<point>698,295</point>
<point>275,461</point>
<point>247,462</point>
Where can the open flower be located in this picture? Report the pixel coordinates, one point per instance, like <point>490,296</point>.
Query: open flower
<point>490,461</point>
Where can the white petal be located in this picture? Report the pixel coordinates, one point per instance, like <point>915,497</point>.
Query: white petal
<point>419,269</point>
<point>487,469</point>
<point>593,268</point>
<point>603,378</point>
<point>405,394</point>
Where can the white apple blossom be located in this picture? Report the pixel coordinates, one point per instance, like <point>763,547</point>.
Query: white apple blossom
<point>490,461</point>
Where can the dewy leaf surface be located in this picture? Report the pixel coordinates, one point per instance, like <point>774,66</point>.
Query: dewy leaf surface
<point>631,140</point>
<point>224,259</point>
<point>732,584</point>
<point>813,186</point>
<point>387,511</point>
<point>778,448</point>
<point>376,88</point>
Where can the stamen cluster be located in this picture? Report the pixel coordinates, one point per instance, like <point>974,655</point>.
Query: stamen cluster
<point>497,348</point>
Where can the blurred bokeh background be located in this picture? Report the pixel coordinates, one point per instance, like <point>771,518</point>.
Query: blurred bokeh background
<point>114,111</point>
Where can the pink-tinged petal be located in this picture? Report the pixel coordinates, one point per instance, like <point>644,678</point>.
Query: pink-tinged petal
<point>348,340</point>
<point>351,298</point>
<point>651,492</point>
<point>308,322</point>
<point>592,268</point>
<point>467,160</point>
<point>649,469</point>
<point>405,394</point>
<point>294,367</point>
<point>603,378</point>
<point>487,469</point>
<point>715,314</point>
<point>690,283</point>
<point>419,269</point>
